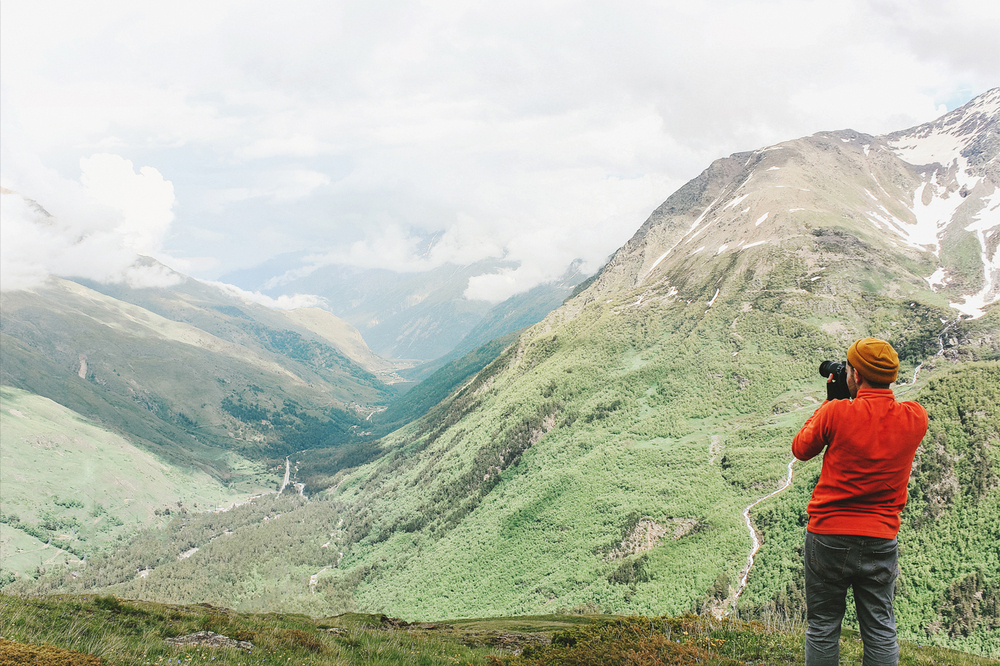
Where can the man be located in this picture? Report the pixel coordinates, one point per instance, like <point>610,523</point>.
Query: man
<point>854,512</point>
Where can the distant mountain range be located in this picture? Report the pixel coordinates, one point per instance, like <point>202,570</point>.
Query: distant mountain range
<point>415,315</point>
<point>607,458</point>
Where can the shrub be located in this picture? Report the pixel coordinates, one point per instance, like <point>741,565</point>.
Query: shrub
<point>12,653</point>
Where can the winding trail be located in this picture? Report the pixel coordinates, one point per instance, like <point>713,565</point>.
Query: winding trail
<point>753,535</point>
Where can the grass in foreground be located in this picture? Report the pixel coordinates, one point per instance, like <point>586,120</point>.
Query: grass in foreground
<point>109,631</point>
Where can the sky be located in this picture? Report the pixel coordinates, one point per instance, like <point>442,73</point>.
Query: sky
<point>214,136</point>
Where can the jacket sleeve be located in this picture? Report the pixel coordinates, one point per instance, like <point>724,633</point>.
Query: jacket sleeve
<point>811,440</point>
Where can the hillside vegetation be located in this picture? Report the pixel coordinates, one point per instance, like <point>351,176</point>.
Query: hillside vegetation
<point>72,488</point>
<point>204,375</point>
<point>603,462</point>
<point>89,630</point>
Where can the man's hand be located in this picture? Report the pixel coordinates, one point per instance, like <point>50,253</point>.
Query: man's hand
<point>836,390</point>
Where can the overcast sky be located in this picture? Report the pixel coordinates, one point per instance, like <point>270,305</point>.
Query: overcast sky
<point>215,135</point>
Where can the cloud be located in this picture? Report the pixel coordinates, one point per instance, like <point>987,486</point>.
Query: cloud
<point>404,135</point>
<point>283,302</point>
<point>96,228</point>
<point>144,199</point>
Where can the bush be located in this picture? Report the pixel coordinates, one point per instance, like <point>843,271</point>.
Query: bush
<point>12,653</point>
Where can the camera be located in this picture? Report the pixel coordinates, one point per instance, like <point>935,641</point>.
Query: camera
<point>836,388</point>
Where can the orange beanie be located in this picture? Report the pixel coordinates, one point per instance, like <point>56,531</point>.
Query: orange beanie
<point>875,359</point>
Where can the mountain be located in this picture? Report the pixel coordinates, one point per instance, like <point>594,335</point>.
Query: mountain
<point>401,315</point>
<point>515,313</point>
<point>416,315</point>
<point>192,364</point>
<point>119,403</point>
<point>607,458</point>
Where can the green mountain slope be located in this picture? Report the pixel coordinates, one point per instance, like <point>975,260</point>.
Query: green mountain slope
<point>606,458</point>
<point>219,380</point>
<point>113,411</point>
<point>71,488</point>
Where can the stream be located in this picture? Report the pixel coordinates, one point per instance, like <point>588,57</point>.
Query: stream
<point>755,542</point>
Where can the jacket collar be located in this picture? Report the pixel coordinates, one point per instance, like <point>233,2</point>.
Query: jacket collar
<point>875,393</point>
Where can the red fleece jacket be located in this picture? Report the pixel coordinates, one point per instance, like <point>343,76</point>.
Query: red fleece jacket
<point>870,443</point>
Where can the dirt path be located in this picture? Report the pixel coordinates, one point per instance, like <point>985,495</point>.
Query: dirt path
<point>288,473</point>
<point>753,535</point>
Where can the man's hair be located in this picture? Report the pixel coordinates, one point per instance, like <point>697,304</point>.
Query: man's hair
<point>870,383</point>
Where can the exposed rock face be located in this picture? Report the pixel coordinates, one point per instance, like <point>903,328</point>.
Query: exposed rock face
<point>647,535</point>
<point>209,639</point>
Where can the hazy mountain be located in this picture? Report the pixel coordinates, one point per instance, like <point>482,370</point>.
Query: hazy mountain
<point>401,315</point>
<point>517,312</point>
<point>606,458</point>
<point>417,315</point>
<point>190,380</point>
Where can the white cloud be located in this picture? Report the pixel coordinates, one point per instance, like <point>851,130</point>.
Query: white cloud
<point>96,228</point>
<point>284,302</point>
<point>539,132</point>
<point>144,199</point>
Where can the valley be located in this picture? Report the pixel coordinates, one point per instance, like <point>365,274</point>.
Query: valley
<point>620,455</point>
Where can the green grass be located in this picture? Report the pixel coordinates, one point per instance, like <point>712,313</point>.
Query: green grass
<point>508,498</point>
<point>128,633</point>
<point>68,481</point>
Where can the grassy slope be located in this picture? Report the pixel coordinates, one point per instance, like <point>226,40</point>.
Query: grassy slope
<point>129,633</point>
<point>508,496</point>
<point>180,389</point>
<point>90,485</point>
<point>642,426</point>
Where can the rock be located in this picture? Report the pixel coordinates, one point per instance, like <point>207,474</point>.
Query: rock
<point>209,639</point>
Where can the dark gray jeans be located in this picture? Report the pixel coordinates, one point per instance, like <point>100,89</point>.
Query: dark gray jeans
<point>869,565</point>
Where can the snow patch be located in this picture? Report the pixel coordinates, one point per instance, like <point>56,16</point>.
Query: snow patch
<point>657,262</point>
<point>936,148</point>
<point>774,168</point>
<point>735,201</point>
<point>755,244</point>
<point>714,297</point>
<point>722,248</point>
<point>938,278</point>
<point>702,217</point>
<point>974,304</point>
<point>761,219</point>
<point>989,217</point>
<point>932,218</point>
<point>792,210</point>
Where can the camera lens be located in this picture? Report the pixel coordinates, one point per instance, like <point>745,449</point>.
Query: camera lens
<point>827,368</point>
